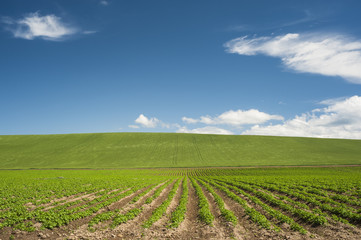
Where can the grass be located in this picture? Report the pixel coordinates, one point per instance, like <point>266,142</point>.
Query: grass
<point>152,150</point>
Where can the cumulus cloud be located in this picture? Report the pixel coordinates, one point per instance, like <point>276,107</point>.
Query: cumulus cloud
<point>235,118</point>
<point>205,130</point>
<point>33,25</point>
<point>329,55</point>
<point>143,121</point>
<point>339,119</point>
<point>147,122</point>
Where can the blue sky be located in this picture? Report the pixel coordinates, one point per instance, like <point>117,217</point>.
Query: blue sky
<point>288,68</point>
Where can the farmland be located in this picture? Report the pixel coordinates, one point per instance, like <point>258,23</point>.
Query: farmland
<point>182,203</point>
<point>178,186</point>
<point>162,150</point>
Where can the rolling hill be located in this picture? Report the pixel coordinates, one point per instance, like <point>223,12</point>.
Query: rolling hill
<point>151,150</point>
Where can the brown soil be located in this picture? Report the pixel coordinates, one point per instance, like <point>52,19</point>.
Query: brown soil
<point>80,227</point>
<point>67,199</point>
<point>74,198</point>
<point>123,210</point>
<point>162,223</point>
<point>133,228</point>
<point>224,230</point>
<point>190,228</point>
<point>334,230</point>
<point>129,230</point>
<point>250,230</point>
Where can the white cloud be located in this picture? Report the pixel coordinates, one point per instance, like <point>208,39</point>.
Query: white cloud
<point>7,20</point>
<point>235,118</point>
<point>147,122</point>
<point>332,101</point>
<point>48,27</point>
<point>189,120</point>
<point>205,130</point>
<point>168,125</point>
<point>340,119</point>
<point>330,55</point>
<point>87,32</point>
<point>104,3</point>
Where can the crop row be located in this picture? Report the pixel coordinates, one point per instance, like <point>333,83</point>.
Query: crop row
<point>268,197</point>
<point>118,218</point>
<point>323,203</point>
<point>227,214</point>
<point>160,210</point>
<point>178,214</point>
<point>268,209</point>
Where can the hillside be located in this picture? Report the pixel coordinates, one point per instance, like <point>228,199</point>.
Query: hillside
<point>149,150</point>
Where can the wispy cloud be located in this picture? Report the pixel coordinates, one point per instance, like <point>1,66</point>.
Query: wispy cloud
<point>309,17</point>
<point>332,101</point>
<point>205,130</point>
<point>104,3</point>
<point>87,32</point>
<point>235,118</point>
<point>238,28</point>
<point>330,55</point>
<point>340,119</point>
<point>33,25</point>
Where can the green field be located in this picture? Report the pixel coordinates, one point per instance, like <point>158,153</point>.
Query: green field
<point>178,197</point>
<point>153,150</point>
<point>275,203</point>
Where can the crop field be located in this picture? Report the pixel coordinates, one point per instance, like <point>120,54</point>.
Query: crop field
<point>182,203</point>
<point>155,150</point>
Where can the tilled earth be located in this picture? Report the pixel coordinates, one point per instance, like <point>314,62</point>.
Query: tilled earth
<point>190,228</point>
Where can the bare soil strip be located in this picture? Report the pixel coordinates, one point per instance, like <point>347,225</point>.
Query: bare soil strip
<point>191,227</point>
<point>90,197</point>
<point>67,199</point>
<point>162,223</point>
<point>334,230</point>
<point>141,201</point>
<point>285,227</point>
<point>160,228</point>
<point>132,229</point>
<point>69,230</point>
<point>102,229</point>
<point>82,203</point>
<point>223,229</point>
<point>123,210</point>
<point>246,228</point>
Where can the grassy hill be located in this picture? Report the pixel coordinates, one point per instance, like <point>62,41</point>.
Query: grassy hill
<point>136,150</point>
